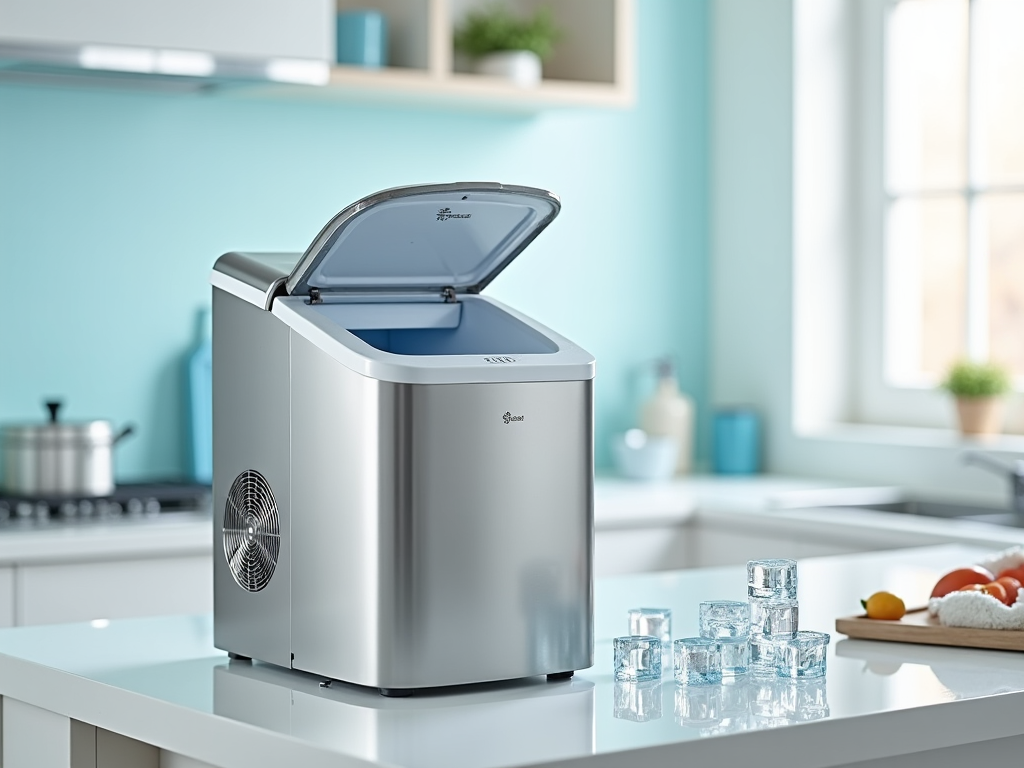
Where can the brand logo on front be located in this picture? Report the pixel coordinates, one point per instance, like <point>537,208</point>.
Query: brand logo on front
<point>497,360</point>
<point>508,418</point>
<point>446,213</point>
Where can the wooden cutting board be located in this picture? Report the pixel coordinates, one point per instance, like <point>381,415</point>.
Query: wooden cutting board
<point>917,626</point>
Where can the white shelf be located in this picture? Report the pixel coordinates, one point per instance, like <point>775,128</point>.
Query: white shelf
<point>475,92</point>
<point>593,64</point>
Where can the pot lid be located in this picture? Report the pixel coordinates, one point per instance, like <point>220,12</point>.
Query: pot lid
<point>95,432</point>
<point>424,238</point>
<point>87,433</point>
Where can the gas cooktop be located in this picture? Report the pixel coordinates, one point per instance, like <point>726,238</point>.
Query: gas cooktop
<point>129,500</point>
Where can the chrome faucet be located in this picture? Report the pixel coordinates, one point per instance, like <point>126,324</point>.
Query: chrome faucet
<point>1013,470</point>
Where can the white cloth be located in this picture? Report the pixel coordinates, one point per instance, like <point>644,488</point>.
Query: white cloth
<point>978,610</point>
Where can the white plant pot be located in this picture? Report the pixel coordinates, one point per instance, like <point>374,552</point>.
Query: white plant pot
<point>521,67</point>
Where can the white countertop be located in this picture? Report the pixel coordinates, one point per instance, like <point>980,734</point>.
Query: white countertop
<point>165,535</point>
<point>161,681</point>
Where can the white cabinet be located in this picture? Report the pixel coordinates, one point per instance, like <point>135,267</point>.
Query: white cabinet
<point>708,547</point>
<point>622,551</point>
<point>251,29</point>
<point>67,592</point>
<point>177,44</point>
<point>99,569</point>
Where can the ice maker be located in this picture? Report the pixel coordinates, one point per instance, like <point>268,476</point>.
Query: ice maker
<point>403,468</point>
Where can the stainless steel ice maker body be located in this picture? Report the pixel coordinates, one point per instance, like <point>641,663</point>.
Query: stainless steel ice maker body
<point>429,454</point>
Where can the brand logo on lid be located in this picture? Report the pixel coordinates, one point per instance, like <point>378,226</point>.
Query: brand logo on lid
<point>446,213</point>
<point>508,418</point>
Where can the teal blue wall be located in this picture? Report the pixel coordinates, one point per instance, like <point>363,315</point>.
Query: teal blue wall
<point>114,205</point>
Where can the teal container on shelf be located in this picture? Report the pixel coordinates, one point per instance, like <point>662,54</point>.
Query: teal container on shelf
<point>199,388</point>
<point>362,39</point>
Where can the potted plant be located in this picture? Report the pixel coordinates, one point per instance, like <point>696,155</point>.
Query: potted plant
<point>506,45</point>
<point>978,389</point>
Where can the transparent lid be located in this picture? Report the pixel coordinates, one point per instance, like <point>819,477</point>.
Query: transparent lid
<point>424,238</point>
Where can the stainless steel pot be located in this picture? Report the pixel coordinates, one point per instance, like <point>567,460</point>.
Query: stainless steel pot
<point>60,459</point>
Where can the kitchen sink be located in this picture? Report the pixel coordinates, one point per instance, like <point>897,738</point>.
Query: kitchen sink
<point>946,510</point>
<point>895,500</point>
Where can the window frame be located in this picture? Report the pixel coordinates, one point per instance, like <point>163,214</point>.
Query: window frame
<point>878,400</point>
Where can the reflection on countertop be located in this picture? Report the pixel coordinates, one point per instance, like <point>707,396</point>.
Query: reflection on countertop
<point>963,674</point>
<point>458,727</point>
<point>744,704</point>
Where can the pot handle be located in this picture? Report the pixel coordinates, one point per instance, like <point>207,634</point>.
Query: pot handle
<point>129,429</point>
<point>53,406</point>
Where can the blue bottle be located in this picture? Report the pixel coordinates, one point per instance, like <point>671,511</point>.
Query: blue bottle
<point>199,389</point>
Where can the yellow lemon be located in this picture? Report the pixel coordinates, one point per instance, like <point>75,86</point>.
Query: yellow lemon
<point>884,605</point>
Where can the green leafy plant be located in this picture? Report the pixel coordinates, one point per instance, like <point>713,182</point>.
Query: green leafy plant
<point>495,28</point>
<point>967,379</point>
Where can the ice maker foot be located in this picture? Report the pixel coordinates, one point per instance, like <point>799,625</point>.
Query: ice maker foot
<point>554,677</point>
<point>396,693</point>
<point>238,657</point>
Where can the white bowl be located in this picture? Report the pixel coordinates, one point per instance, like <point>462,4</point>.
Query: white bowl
<point>640,456</point>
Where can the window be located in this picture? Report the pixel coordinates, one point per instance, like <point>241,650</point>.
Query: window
<point>951,203</point>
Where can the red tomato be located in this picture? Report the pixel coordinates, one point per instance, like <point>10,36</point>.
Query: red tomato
<point>1011,585</point>
<point>997,590</point>
<point>961,577</point>
<point>1014,573</point>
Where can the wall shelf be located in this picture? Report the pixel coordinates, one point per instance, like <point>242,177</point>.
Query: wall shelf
<point>593,64</point>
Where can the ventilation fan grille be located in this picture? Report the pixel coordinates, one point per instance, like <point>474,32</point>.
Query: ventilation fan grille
<point>252,531</point>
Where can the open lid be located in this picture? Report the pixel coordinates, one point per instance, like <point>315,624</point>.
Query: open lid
<point>424,239</point>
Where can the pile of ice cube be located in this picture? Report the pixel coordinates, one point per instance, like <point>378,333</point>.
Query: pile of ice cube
<point>760,636</point>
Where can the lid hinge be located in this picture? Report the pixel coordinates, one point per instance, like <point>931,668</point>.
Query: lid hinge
<point>321,296</point>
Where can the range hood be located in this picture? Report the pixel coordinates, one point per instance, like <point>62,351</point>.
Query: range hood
<point>188,43</point>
